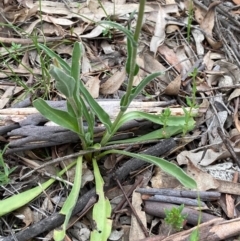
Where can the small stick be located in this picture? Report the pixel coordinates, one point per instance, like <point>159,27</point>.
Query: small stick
<point>228,146</point>
<point>133,210</point>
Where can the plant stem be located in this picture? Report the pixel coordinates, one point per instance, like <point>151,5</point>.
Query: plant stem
<point>125,103</point>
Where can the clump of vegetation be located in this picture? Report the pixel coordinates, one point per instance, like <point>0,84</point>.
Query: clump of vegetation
<point>175,218</point>
<point>4,169</point>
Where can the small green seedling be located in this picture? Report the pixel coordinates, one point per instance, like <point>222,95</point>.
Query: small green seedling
<point>4,169</point>
<point>175,218</point>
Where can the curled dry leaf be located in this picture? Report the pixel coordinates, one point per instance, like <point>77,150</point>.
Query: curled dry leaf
<point>113,83</point>
<point>236,121</point>
<point>208,23</point>
<point>159,32</point>
<point>237,2</point>
<point>208,61</point>
<point>184,60</point>
<point>204,180</point>
<point>25,214</point>
<point>235,94</point>
<point>199,13</point>
<point>198,37</point>
<point>174,86</point>
<point>170,56</point>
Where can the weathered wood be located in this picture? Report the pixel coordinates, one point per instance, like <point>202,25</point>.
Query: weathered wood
<point>111,107</point>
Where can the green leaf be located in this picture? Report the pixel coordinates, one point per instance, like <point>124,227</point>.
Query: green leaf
<point>52,54</point>
<point>154,135</point>
<point>122,29</point>
<point>90,118</point>
<point>60,117</point>
<point>101,210</point>
<point>135,91</point>
<point>172,121</point>
<point>70,202</point>
<point>166,166</point>
<point>129,56</point>
<point>64,82</point>
<point>96,108</point>
<point>76,61</point>
<point>16,201</point>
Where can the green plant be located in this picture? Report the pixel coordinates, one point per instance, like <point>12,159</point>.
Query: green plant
<point>191,102</point>
<point>194,236</point>
<point>67,78</point>
<point>4,169</point>
<point>175,218</point>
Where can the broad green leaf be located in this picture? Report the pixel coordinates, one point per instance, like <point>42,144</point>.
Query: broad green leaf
<point>120,28</point>
<point>60,117</point>
<point>71,201</point>
<point>135,91</point>
<point>64,82</point>
<point>154,135</point>
<point>52,54</point>
<point>101,210</point>
<point>166,166</point>
<point>16,201</point>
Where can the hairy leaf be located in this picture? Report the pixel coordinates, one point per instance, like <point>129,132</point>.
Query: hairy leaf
<point>60,117</point>
<point>64,82</point>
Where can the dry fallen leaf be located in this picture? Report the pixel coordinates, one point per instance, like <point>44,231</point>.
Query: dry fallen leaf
<point>25,214</point>
<point>174,86</point>
<point>204,180</point>
<point>170,56</point>
<point>93,85</point>
<point>159,32</point>
<point>237,2</point>
<point>208,23</point>
<point>113,83</point>
<point>136,232</point>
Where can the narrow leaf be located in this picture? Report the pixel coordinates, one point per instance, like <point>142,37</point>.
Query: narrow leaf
<point>76,63</point>
<point>137,90</point>
<point>154,135</point>
<point>52,54</point>
<point>101,210</point>
<point>172,120</point>
<point>129,56</point>
<point>60,117</point>
<point>166,166</point>
<point>122,29</point>
<point>16,201</point>
<point>70,202</point>
<point>96,108</point>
